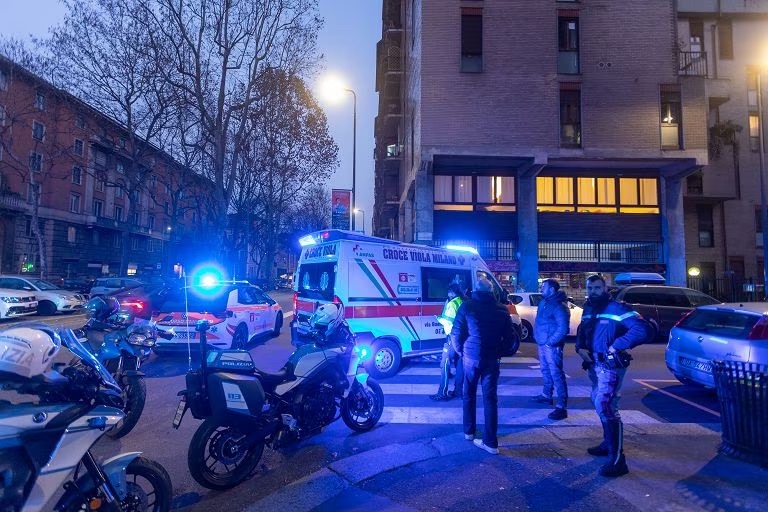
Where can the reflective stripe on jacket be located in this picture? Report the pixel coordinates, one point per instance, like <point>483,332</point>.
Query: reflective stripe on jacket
<point>617,325</point>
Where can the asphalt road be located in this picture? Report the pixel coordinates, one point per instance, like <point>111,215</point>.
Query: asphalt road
<point>650,395</point>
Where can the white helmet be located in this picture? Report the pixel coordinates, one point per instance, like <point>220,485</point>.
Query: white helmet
<point>327,318</point>
<point>28,351</point>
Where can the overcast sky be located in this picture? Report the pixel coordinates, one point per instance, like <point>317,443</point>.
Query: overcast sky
<point>348,41</point>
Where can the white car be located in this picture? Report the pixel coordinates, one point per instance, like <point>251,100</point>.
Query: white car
<point>50,298</point>
<point>15,303</point>
<point>527,306</point>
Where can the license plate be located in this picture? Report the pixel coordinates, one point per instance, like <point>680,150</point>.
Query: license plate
<point>696,365</point>
<point>180,410</point>
<point>187,335</point>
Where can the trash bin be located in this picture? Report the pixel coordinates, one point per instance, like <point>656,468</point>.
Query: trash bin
<point>742,390</point>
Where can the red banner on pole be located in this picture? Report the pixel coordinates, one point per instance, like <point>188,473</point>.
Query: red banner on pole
<point>340,214</point>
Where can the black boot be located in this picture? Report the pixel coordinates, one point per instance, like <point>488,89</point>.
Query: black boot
<point>616,465</point>
<point>601,450</point>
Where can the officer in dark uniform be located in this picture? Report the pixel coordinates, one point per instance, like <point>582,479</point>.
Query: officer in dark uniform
<point>608,328</point>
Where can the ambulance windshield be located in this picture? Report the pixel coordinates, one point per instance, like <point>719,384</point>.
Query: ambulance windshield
<point>316,280</point>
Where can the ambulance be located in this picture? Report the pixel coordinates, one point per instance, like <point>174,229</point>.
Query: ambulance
<point>390,291</point>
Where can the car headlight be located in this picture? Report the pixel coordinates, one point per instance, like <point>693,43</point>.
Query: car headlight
<point>11,300</point>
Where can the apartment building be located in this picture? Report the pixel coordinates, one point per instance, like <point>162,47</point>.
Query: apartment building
<point>66,164</point>
<point>726,42</point>
<point>556,137</point>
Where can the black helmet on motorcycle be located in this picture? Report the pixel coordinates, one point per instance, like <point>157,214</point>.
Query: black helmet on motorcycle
<point>326,319</point>
<point>101,308</point>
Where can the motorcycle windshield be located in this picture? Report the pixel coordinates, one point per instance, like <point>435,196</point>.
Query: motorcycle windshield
<point>70,341</point>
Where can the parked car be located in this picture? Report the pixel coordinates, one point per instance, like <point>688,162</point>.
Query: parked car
<point>15,303</point>
<point>141,301</point>
<point>527,305</point>
<point>663,305</point>
<point>108,285</point>
<point>77,284</point>
<point>732,331</point>
<point>50,298</point>
<point>237,311</point>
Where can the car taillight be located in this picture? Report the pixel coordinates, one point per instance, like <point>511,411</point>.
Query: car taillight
<point>295,303</point>
<point>136,304</point>
<point>684,317</point>
<point>337,300</point>
<point>759,330</point>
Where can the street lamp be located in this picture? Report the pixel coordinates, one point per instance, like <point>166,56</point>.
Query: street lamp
<point>332,86</point>
<point>763,203</point>
<point>359,210</point>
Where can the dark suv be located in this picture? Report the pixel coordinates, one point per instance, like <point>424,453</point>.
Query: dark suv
<point>663,305</point>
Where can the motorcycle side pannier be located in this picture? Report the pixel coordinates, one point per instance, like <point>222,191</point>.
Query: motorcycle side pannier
<point>234,396</point>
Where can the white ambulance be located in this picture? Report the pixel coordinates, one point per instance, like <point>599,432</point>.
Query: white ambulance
<point>391,291</point>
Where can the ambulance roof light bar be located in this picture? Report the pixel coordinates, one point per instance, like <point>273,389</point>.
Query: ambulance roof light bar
<point>330,235</point>
<point>461,248</point>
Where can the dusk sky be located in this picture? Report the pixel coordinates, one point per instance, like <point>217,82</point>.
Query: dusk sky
<point>348,42</point>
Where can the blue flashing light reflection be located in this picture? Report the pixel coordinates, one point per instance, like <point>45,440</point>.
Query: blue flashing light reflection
<point>307,240</point>
<point>462,248</point>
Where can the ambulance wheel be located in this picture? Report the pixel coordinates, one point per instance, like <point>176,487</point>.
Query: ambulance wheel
<point>386,359</point>
<point>240,338</point>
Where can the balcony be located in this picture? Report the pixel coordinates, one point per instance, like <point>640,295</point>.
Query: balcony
<point>602,252</point>
<point>12,202</point>
<point>692,64</point>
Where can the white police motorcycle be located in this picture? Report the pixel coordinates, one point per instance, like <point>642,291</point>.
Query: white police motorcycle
<point>246,409</point>
<point>64,401</point>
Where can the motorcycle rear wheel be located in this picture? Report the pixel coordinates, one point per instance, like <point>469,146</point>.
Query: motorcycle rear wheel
<point>135,393</point>
<point>362,407</point>
<point>217,458</point>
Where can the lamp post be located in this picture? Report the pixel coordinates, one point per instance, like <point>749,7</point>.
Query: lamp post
<point>360,210</point>
<point>354,154</point>
<point>763,204</point>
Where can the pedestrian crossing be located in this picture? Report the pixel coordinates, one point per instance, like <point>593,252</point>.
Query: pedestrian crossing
<point>406,398</point>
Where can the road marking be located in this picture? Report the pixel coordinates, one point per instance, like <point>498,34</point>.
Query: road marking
<point>507,416</point>
<point>644,382</point>
<point>503,390</point>
<point>505,372</point>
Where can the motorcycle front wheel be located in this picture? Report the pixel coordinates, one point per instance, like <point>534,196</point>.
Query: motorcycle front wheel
<point>218,456</point>
<point>135,395</point>
<point>362,407</point>
<point>148,489</point>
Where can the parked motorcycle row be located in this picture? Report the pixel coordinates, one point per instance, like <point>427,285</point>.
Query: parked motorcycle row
<point>74,386</point>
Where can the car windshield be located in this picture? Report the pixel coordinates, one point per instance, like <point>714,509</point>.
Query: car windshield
<point>198,299</point>
<point>43,285</point>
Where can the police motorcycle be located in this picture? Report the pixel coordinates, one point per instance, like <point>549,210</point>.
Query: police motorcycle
<point>65,400</point>
<point>121,345</point>
<point>245,409</point>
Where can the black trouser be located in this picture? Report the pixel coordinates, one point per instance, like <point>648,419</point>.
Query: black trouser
<point>486,373</point>
<point>450,359</point>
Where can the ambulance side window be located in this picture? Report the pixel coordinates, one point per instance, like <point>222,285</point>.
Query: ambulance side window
<point>435,281</point>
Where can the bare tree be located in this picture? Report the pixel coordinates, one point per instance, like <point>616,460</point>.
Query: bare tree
<point>220,51</point>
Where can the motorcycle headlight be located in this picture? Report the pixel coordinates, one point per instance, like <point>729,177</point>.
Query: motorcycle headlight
<point>141,339</point>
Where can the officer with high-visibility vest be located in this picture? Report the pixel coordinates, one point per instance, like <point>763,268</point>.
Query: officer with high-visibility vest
<point>450,357</point>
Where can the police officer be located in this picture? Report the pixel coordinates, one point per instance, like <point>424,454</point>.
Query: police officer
<point>450,357</point>
<point>607,329</point>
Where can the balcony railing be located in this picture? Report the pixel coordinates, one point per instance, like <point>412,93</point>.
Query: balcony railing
<point>487,249</point>
<point>602,252</point>
<point>12,202</point>
<point>693,63</point>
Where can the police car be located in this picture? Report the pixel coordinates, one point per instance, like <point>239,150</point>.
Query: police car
<point>238,313</point>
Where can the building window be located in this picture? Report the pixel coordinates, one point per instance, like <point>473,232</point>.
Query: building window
<point>754,132</point>
<point>100,158</point>
<point>568,45</point>
<point>496,189</point>
<point>134,218</point>
<point>695,183</point>
<point>38,130</point>
<point>570,116</point>
<point>135,243</point>
<point>3,80</point>
<point>35,162</point>
<point>33,193</point>
<point>696,37</point>
<point>98,207</point>
<point>150,222</point>
<point>119,189</point>
<point>71,234</point>
<point>120,168</point>
<point>759,229</point>
<point>117,240</point>
<point>671,117</point>
<point>78,147</point>
<point>100,184</point>
<point>74,203</point>
<point>96,237</point>
<point>706,225</point>
<point>80,121</point>
<point>471,40</point>
<point>597,194</point>
<point>119,213</point>
<point>39,101</point>
<point>752,87</point>
<point>725,38</point>
<point>77,175</point>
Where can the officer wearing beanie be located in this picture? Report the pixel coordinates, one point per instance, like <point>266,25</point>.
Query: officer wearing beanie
<point>607,329</point>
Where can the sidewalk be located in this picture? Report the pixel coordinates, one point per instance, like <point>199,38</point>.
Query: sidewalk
<point>673,468</point>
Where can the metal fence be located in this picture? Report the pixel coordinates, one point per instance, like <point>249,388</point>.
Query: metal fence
<point>729,288</point>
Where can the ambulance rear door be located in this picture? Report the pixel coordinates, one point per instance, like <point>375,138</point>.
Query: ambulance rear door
<point>434,286</point>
